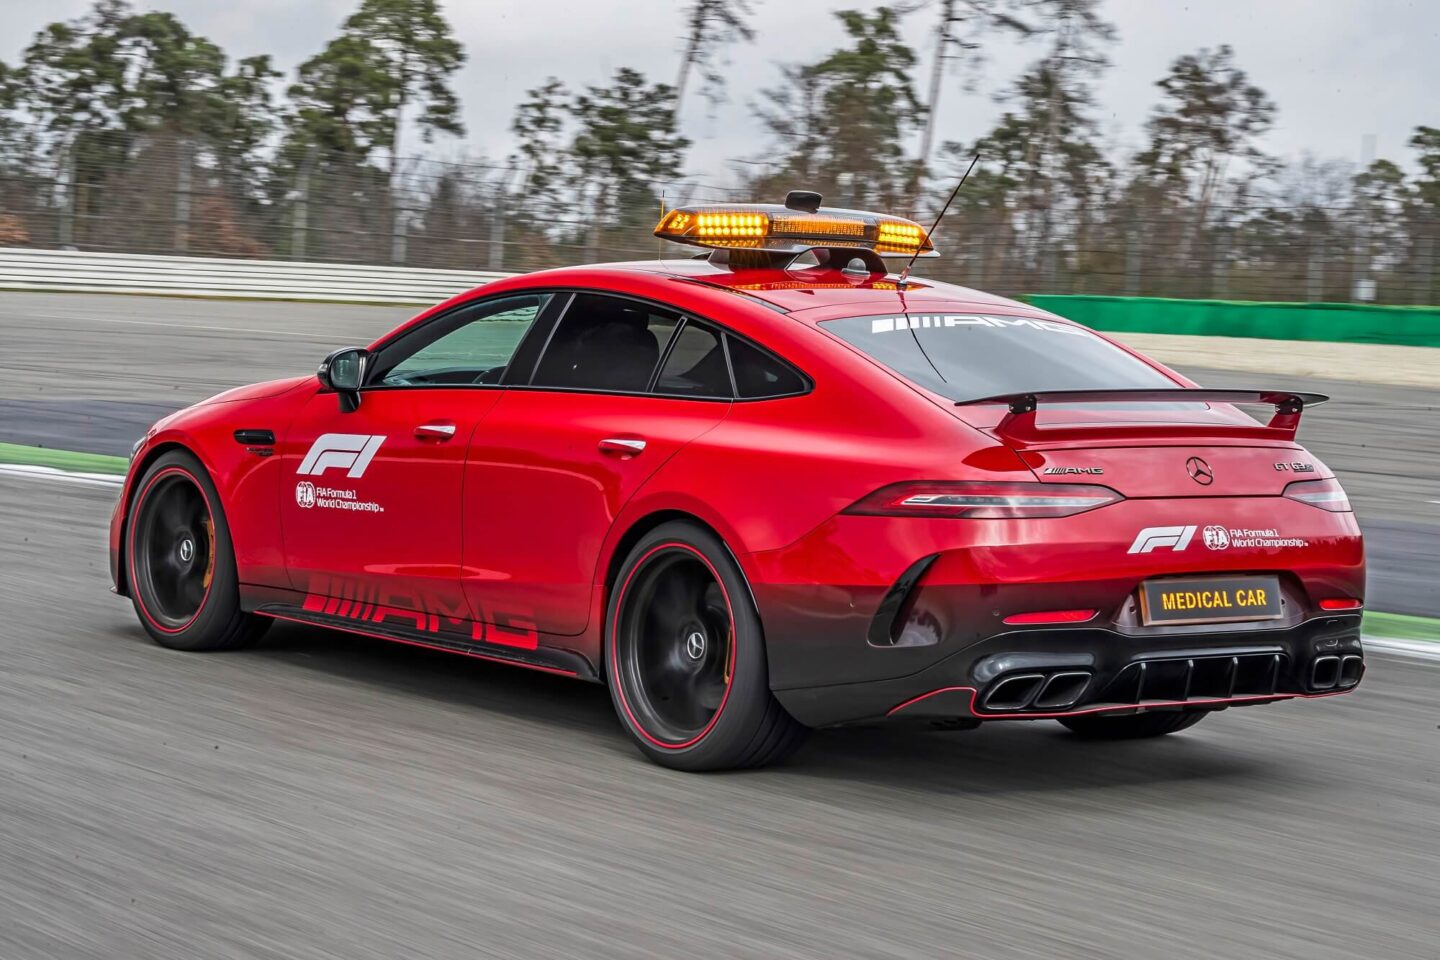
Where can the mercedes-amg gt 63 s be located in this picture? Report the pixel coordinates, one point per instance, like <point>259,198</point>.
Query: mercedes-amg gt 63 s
<point>768,489</point>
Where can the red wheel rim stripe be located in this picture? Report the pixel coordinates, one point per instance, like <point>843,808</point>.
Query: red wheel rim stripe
<point>615,636</point>
<point>139,505</point>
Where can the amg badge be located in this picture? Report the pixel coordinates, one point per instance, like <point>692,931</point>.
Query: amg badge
<point>1061,471</point>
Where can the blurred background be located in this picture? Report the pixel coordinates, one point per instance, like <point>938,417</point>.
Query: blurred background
<point>1247,190</point>
<point>1227,150</point>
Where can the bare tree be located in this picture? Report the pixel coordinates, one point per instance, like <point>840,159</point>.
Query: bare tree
<point>709,25</point>
<point>959,24</point>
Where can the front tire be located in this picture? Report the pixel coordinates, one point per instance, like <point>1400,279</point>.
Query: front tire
<point>1137,727</point>
<point>180,561</point>
<point>685,657</point>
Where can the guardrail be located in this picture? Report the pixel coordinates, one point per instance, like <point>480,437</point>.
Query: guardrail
<point>86,272</point>
<point>23,268</point>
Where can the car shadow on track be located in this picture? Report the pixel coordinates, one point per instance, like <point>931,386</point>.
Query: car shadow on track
<point>1011,758</point>
<point>1017,758</point>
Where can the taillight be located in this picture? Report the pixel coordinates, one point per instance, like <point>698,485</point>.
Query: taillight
<point>1325,494</point>
<point>1052,616</point>
<point>1341,603</point>
<point>978,500</point>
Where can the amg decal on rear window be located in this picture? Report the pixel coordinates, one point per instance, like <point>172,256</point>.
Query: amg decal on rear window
<point>965,356</point>
<point>925,321</point>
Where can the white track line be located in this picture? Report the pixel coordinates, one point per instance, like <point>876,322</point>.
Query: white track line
<point>182,325</point>
<point>65,476</point>
<point>1418,649</point>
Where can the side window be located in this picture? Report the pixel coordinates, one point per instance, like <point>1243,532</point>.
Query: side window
<point>696,365</point>
<point>759,374</point>
<point>605,343</point>
<point>472,345</point>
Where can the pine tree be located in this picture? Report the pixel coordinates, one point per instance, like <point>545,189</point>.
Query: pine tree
<point>841,122</point>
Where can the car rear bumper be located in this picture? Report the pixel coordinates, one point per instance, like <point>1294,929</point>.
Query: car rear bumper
<point>1047,673</point>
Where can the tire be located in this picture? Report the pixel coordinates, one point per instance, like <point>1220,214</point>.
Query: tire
<point>180,562</point>
<point>692,704</point>
<point>1136,727</point>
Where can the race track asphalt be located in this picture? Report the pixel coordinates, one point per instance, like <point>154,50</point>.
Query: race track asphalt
<point>329,796</point>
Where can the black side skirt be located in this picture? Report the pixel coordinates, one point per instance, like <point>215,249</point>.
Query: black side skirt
<point>449,636</point>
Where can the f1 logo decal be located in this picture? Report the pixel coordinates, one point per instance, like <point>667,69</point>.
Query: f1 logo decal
<point>349,451</point>
<point>1156,538</point>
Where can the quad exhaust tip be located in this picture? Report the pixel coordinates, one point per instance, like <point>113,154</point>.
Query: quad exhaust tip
<point>1325,672</point>
<point>1062,690</point>
<point>1014,693</point>
<point>1352,668</point>
<point>1038,691</point>
<point>1332,672</point>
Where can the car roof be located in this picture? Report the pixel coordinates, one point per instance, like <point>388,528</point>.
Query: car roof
<point>797,291</point>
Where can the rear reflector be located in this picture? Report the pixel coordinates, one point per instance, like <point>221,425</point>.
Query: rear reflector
<point>1052,616</point>
<point>1341,603</point>
<point>981,500</point>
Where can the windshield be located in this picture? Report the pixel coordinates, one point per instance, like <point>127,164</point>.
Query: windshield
<point>968,356</point>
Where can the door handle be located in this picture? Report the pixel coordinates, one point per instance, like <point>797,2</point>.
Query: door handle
<point>622,446</point>
<point>439,431</point>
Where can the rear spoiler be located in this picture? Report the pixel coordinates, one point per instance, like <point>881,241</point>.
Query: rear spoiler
<point>1019,425</point>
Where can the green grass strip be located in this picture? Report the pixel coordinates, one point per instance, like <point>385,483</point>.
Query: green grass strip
<point>1398,626</point>
<point>62,459</point>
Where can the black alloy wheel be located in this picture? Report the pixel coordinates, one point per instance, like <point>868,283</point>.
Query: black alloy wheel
<point>174,549</point>
<point>678,646</point>
<point>180,562</point>
<point>685,656</point>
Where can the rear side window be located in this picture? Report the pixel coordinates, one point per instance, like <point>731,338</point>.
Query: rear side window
<point>969,357</point>
<point>759,375</point>
<point>696,365</point>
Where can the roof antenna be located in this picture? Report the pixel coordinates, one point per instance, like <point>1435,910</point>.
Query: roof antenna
<point>905,274</point>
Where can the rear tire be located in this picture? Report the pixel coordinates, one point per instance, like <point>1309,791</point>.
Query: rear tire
<point>1137,727</point>
<point>685,657</point>
<point>180,561</point>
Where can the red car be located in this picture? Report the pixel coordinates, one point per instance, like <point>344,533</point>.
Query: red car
<point>772,489</point>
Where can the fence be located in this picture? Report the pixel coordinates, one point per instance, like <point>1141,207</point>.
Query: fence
<point>169,196</point>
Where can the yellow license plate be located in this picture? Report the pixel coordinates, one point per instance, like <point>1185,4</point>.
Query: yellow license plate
<point>1210,600</point>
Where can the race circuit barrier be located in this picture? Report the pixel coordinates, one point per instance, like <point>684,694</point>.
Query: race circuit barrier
<point>1334,322</point>
<point>85,272</point>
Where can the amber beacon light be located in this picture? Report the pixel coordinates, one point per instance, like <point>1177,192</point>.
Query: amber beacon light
<point>786,229</point>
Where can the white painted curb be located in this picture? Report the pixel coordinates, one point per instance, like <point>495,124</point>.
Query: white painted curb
<point>1416,649</point>
<point>65,476</point>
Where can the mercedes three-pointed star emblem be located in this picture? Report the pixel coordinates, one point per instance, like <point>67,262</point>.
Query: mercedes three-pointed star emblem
<point>1200,471</point>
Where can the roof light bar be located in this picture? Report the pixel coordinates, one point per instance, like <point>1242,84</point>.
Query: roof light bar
<point>781,229</point>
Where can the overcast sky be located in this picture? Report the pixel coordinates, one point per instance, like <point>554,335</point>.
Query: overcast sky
<point>1339,70</point>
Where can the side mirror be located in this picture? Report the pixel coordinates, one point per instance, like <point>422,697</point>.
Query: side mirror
<point>344,372</point>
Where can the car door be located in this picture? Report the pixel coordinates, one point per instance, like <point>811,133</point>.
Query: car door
<point>621,386</point>
<point>372,526</point>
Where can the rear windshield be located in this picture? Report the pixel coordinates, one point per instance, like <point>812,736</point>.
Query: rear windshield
<point>967,356</point>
